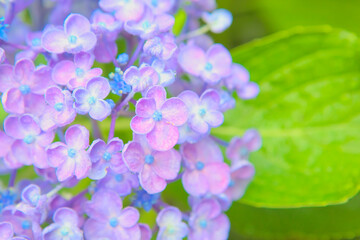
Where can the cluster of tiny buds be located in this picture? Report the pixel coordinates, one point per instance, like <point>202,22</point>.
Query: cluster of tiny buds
<point>168,86</point>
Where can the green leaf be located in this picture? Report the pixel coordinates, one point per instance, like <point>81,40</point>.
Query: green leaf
<point>307,114</point>
<point>180,20</point>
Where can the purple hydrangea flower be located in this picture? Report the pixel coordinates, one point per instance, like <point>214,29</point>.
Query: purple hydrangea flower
<point>211,66</point>
<point>23,86</point>
<point>159,118</point>
<point>60,111</point>
<point>70,158</point>
<point>76,74</point>
<point>242,173</point>
<point>170,224</point>
<point>240,148</point>
<point>239,81</point>
<point>219,20</point>
<point>104,156</point>
<point>90,99</point>
<point>141,78</point>
<point>154,167</point>
<point>208,222</point>
<point>150,25</point>
<point>166,76</point>
<point>65,226</point>
<point>160,6</point>
<point>7,232</point>
<point>162,46</point>
<point>74,38</point>
<point>122,183</point>
<point>30,143</point>
<point>108,219</point>
<point>226,101</point>
<point>204,111</point>
<point>187,134</point>
<point>145,232</point>
<point>124,10</point>
<point>143,199</point>
<point>205,170</point>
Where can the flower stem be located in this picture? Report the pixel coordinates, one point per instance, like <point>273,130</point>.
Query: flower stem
<point>200,31</point>
<point>136,53</point>
<point>96,130</point>
<point>54,191</point>
<point>219,141</point>
<point>12,178</point>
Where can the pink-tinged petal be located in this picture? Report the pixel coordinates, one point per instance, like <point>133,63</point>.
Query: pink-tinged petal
<point>142,140</point>
<point>249,91</point>
<point>88,41</point>
<point>104,205</point>
<point>157,93</point>
<point>11,161</point>
<point>66,170</point>
<point>220,59</point>
<point>198,124</point>
<point>174,111</point>
<point>13,128</point>
<point>163,137</point>
<point>145,232</point>
<point>108,5</point>
<point>210,99</point>
<point>6,77</point>
<point>45,138</point>
<point>142,125</point>
<point>151,182</point>
<point>192,59</point>
<point>133,156</point>
<point>13,101</point>
<point>76,24</point>
<point>220,227</point>
<point>6,230</point>
<point>5,142</point>
<point>77,137</point>
<point>54,95</point>
<point>165,22</point>
<point>29,125</point>
<point>190,98</point>
<point>54,41</point>
<point>81,96</point>
<point>98,87</point>
<point>214,118</point>
<point>84,60</point>
<point>115,145</point>
<point>195,183</point>
<point>105,56</point>
<point>100,110</point>
<point>252,139</point>
<point>97,150</point>
<point>218,177</point>
<point>24,70</point>
<point>129,217</point>
<point>40,157</point>
<point>66,215</point>
<point>117,163</point>
<point>168,215</point>
<point>83,164</point>
<point>34,104</point>
<point>57,154</point>
<point>63,72</point>
<point>41,80</point>
<point>145,107</point>
<point>22,152</point>
<point>149,77</point>
<point>242,170</point>
<point>95,72</point>
<point>167,164</point>
<point>132,76</point>
<point>130,11</point>
<point>208,208</point>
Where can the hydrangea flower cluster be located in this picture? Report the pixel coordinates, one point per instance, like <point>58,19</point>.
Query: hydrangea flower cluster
<point>173,89</point>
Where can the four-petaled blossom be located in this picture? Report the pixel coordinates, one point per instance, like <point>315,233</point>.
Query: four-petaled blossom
<point>240,148</point>
<point>104,156</point>
<point>70,158</point>
<point>124,10</point>
<point>159,118</point>
<point>30,143</point>
<point>205,170</point>
<point>74,38</point>
<point>141,78</point>
<point>60,111</point>
<point>23,86</point>
<point>170,224</point>
<point>162,47</point>
<point>65,226</point>
<point>211,66</point>
<point>91,99</point>
<point>204,112</point>
<point>108,219</point>
<point>120,182</point>
<point>75,74</point>
<point>239,81</point>
<point>208,222</point>
<point>154,167</point>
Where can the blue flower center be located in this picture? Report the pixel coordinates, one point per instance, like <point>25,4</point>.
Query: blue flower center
<point>208,66</point>
<point>113,222</point>
<point>199,165</point>
<point>26,224</point>
<point>107,156</point>
<point>102,24</point>
<point>146,24</point>
<point>79,72</point>
<point>92,100</point>
<point>202,112</point>
<point>72,39</point>
<point>149,159</point>
<point>24,89</point>
<point>171,230</point>
<point>203,223</point>
<point>244,151</point>
<point>59,107</point>
<point>231,183</point>
<point>64,231</point>
<point>155,3</point>
<point>119,177</point>
<point>29,139</point>
<point>35,42</point>
<point>71,152</point>
<point>157,116</point>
